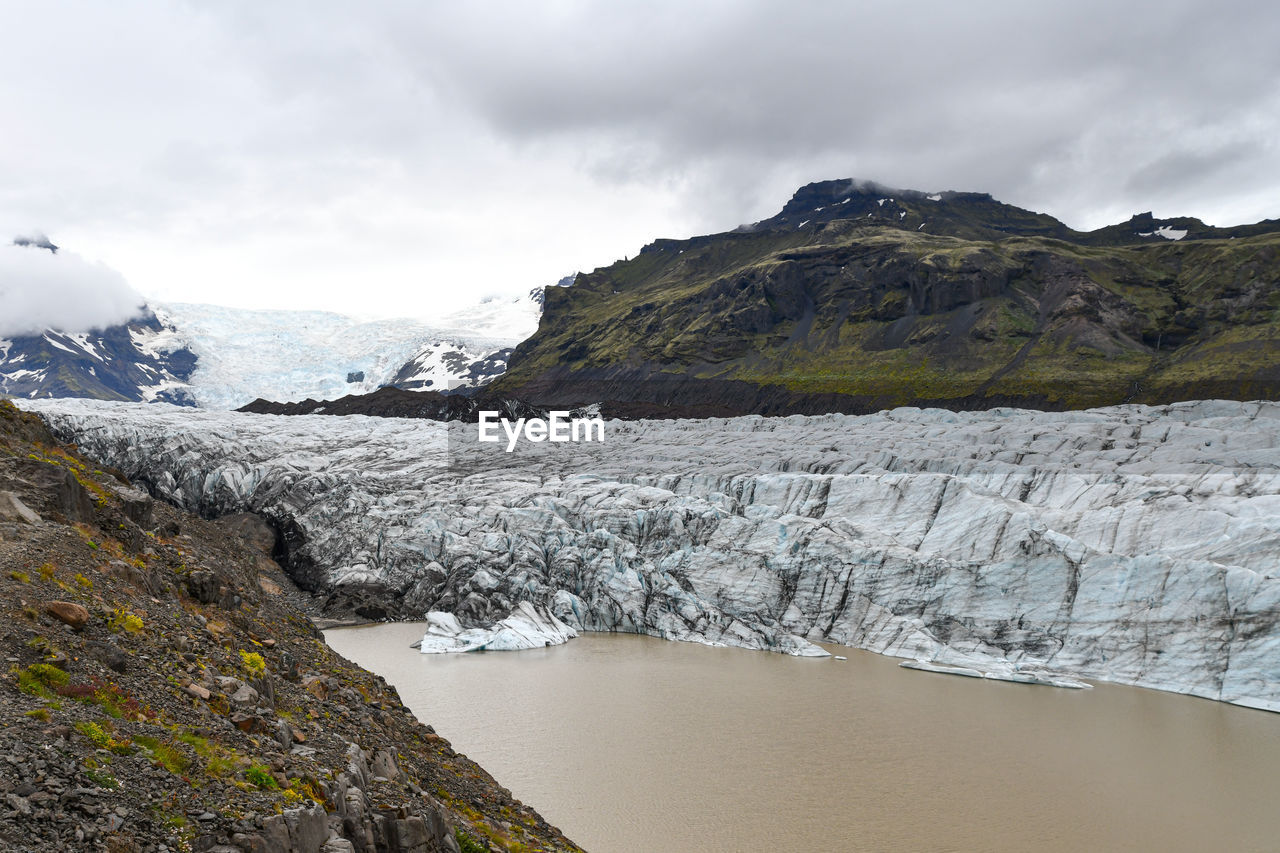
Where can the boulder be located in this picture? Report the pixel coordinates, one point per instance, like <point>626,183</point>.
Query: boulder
<point>69,613</point>
<point>284,735</point>
<point>252,528</point>
<point>204,586</point>
<point>14,510</point>
<point>250,723</point>
<point>308,828</point>
<point>58,489</point>
<point>110,655</point>
<point>136,503</point>
<point>316,686</point>
<point>288,666</point>
<point>384,766</point>
<point>244,697</point>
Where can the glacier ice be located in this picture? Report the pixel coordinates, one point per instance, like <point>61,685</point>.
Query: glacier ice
<point>245,354</point>
<point>222,358</point>
<point>1134,544</point>
<point>527,627</point>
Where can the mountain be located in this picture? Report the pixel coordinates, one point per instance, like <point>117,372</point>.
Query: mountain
<point>976,216</point>
<point>217,357</point>
<point>145,360</point>
<point>857,297</point>
<point>1133,544</point>
<point>448,365</point>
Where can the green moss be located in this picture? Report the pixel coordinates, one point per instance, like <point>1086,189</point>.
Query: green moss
<point>125,620</point>
<point>220,767</point>
<point>102,779</point>
<point>102,738</point>
<point>112,699</point>
<point>164,754</point>
<point>467,843</point>
<point>253,662</point>
<point>40,679</point>
<point>260,777</point>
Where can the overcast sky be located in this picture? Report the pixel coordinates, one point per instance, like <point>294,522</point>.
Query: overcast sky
<point>403,158</point>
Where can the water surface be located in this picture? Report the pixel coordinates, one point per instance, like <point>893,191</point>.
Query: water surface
<point>632,744</point>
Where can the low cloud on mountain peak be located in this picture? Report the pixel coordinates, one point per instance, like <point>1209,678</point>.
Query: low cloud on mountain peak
<point>59,290</point>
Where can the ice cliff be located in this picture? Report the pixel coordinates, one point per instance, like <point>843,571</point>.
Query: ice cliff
<point>1133,544</point>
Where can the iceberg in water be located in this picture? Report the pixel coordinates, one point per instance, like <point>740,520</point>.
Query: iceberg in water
<point>527,627</point>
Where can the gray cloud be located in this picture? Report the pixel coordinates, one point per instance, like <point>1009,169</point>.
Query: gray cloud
<point>375,158</point>
<point>35,240</point>
<point>1028,101</point>
<point>41,289</point>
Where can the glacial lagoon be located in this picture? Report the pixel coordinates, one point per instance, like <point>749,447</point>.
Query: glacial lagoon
<point>632,744</point>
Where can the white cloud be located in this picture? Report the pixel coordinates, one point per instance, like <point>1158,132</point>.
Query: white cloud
<point>398,158</point>
<point>42,290</point>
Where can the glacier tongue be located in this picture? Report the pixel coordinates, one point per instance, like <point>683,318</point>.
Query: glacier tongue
<point>1132,544</point>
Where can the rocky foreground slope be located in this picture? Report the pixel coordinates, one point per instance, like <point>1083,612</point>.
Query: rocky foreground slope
<point>163,692</point>
<point>1133,544</point>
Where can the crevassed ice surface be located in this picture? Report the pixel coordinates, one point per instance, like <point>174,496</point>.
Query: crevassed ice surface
<point>1134,544</point>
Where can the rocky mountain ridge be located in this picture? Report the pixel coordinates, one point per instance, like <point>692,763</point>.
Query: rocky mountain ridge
<point>976,216</point>
<point>857,298</point>
<point>145,360</point>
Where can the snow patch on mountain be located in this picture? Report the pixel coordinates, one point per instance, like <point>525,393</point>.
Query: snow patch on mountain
<point>143,360</point>
<point>1133,544</point>
<point>1166,231</point>
<point>447,365</point>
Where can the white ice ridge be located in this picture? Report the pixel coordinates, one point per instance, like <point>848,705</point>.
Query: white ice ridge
<point>526,628</point>
<point>1133,544</point>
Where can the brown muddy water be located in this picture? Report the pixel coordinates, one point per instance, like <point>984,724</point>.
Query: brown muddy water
<point>632,744</point>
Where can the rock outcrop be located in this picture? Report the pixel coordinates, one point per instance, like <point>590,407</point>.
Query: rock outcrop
<point>1133,544</point>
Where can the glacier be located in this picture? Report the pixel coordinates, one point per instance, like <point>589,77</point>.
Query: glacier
<point>222,358</point>
<point>1133,544</point>
<point>243,354</point>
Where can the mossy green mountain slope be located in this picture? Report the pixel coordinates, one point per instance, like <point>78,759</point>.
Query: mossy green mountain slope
<point>900,298</point>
